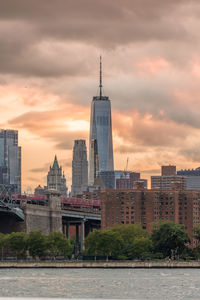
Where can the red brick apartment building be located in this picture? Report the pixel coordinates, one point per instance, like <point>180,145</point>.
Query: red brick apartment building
<point>148,206</point>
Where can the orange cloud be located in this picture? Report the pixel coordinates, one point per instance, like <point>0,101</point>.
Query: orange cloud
<point>152,66</point>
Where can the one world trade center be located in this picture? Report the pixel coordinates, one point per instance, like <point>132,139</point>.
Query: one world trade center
<point>100,142</point>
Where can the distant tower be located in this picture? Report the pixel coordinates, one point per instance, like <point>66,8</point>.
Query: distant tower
<point>100,141</point>
<point>10,159</point>
<point>56,179</point>
<point>79,168</point>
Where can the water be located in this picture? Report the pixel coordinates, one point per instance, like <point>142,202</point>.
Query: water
<point>156,284</point>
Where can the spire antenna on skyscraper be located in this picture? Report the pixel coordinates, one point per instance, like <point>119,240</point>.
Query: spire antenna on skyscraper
<point>100,84</point>
<point>100,143</point>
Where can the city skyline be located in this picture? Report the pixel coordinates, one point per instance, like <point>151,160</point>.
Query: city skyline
<point>151,72</point>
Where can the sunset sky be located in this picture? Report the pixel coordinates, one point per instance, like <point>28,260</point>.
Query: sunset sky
<point>49,64</point>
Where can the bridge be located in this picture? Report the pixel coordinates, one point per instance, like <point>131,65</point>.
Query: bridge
<point>48,213</point>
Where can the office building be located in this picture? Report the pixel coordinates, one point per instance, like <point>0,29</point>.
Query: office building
<point>79,168</point>
<point>193,178</point>
<point>192,182</point>
<point>10,159</point>
<point>167,179</point>
<point>165,182</point>
<point>56,179</point>
<point>108,179</point>
<point>128,179</point>
<point>189,172</point>
<point>100,140</point>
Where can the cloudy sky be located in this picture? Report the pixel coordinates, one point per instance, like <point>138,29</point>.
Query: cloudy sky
<point>49,56</point>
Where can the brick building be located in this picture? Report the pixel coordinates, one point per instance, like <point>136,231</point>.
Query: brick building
<point>168,170</point>
<point>148,206</point>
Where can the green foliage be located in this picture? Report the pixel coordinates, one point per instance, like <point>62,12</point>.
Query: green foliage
<point>106,243</point>
<point>92,243</point>
<point>169,239</point>
<point>58,244</point>
<point>196,230</point>
<point>196,252</point>
<point>18,243</point>
<point>37,244</point>
<point>110,243</point>
<point>4,243</point>
<point>141,247</point>
<point>130,231</point>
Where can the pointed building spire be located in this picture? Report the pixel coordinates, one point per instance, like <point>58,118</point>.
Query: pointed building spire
<point>55,163</point>
<point>100,81</point>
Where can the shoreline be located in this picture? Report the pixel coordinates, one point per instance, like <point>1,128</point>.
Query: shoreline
<point>103,264</point>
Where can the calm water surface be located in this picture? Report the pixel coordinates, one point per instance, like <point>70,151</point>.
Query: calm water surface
<point>155,284</point>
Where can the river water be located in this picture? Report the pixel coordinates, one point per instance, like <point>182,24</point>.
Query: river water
<point>155,284</point>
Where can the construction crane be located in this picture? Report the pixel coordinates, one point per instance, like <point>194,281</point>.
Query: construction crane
<point>126,167</point>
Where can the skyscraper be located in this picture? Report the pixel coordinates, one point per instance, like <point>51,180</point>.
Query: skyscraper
<point>56,179</point>
<point>79,168</point>
<point>10,159</point>
<point>100,141</point>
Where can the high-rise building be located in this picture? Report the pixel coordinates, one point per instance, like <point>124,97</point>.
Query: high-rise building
<point>193,183</point>
<point>193,178</point>
<point>79,168</point>
<point>189,172</point>
<point>56,179</point>
<point>128,179</point>
<point>100,141</point>
<point>10,159</point>
<point>108,178</point>
<point>167,179</point>
<point>166,182</point>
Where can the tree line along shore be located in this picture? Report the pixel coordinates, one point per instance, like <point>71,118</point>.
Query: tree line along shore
<point>168,241</point>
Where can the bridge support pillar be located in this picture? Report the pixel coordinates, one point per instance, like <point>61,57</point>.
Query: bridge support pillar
<point>82,235</point>
<point>67,230</point>
<point>63,229</point>
<point>77,239</point>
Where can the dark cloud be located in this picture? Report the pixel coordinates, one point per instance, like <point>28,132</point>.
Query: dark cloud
<point>38,170</point>
<point>138,130</point>
<point>34,34</point>
<point>65,140</point>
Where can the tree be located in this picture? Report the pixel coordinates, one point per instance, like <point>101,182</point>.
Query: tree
<point>129,233</point>
<point>196,230</point>
<point>110,243</point>
<point>4,242</point>
<point>58,244</point>
<point>169,239</point>
<point>18,243</point>
<point>141,247</point>
<point>92,243</point>
<point>37,244</point>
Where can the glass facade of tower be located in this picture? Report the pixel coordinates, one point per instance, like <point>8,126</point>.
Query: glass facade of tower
<point>79,168</point>
<point>10,159</point>
<point>100,142</point>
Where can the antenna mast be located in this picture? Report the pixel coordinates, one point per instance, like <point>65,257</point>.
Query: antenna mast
<point>100,83</point>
